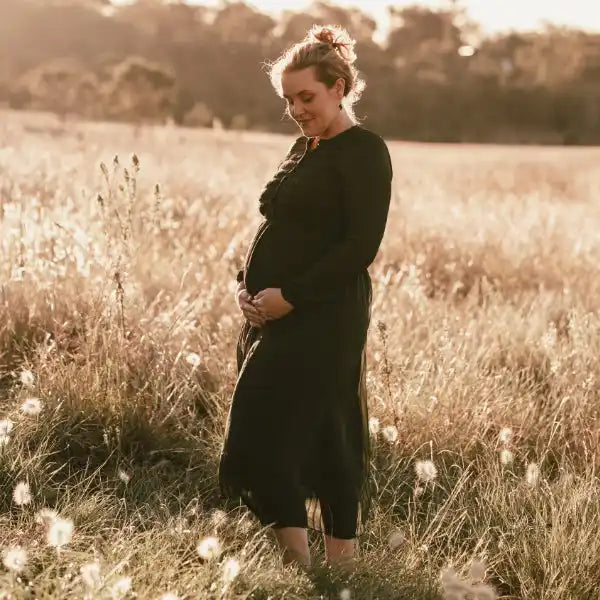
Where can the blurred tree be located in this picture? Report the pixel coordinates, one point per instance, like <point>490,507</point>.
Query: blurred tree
<point>198,116</point>
<point>51,85</point>
<point>140,90</point>
<point>237,21</point>
<point>435,78</point>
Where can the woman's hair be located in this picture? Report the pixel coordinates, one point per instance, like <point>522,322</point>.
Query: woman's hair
<point>330,49</point>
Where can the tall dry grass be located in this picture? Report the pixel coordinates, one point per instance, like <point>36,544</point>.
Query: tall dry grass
<point>117,334</point>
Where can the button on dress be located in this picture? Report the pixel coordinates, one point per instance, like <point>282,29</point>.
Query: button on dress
<point>297,428</point>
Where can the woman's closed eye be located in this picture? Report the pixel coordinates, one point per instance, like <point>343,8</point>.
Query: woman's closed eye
<point>303,100</point>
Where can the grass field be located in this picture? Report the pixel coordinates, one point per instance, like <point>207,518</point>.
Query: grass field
<point>117,344</point>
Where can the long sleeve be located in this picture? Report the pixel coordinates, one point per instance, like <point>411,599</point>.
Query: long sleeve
<point>365,171</point>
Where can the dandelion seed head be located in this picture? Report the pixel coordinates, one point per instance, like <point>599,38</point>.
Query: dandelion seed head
<point>219,517</point>
<point>193,359</point>
<point>22,493</point>
<point>15,558</point>
<point>59,532</point>
<point>90,574</point>
<point>532,476</point>
<point>506,457</point>
<point>120,587</point>
<point>209,548</point>
<point>425,470</point>
<point>453,588</point>
<point>396,539</point>
<point>27,378</point>
<point>478,570</point>
<point>390,433</point>
<point>231,569</point>
<point>31,406</point>
<point>45,516</point>
<point>505,435</point>
<point>345,594</point>
<point>124,476</point>
<point>374,425</point>
<point>481,591</point>
<point>6,426</point>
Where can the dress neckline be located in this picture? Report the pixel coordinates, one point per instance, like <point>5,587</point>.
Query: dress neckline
<point>324,141</point>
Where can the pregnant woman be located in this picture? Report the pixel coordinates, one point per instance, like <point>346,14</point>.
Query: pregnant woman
<point>296,448</point>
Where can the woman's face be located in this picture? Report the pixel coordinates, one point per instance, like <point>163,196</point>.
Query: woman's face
<point>310,102</point>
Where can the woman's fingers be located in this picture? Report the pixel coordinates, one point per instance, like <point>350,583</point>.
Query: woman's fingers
<point>252,314</point>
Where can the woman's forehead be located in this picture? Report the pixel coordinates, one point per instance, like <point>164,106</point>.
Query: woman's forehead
<point>295,82</point>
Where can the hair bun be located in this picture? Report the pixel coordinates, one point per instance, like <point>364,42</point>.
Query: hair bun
<point>336,37</point>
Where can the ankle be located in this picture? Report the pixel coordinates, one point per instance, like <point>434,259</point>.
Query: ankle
<point>297,558</point>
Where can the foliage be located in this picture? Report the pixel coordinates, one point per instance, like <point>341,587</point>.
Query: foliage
<point>435,77</point>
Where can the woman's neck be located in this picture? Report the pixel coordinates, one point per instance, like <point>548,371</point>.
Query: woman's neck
<point>339,124</point>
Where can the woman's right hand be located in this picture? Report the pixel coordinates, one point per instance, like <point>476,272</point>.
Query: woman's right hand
<point>251,312</point>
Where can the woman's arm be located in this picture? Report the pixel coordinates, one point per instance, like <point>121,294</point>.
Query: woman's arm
<point>366,175</point>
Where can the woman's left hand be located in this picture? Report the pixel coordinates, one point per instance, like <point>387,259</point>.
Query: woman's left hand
<point>271,303</point>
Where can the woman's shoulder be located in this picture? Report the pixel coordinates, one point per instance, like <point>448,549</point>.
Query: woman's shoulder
<point>364,145</point>
<point>367,138</point>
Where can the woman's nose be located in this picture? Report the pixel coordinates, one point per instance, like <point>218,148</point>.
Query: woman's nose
<point>296,109</point>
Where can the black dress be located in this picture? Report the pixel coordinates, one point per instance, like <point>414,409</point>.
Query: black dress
<point>297,433</point>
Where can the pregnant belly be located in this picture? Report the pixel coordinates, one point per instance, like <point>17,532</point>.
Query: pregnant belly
<point>277,253</point>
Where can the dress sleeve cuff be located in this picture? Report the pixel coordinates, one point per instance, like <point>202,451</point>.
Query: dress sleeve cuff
<point>289,295</point>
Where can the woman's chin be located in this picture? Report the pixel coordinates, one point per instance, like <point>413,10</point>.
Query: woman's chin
<point>308,129</point>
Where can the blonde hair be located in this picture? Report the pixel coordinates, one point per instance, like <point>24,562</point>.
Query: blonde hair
<point>329,49</point>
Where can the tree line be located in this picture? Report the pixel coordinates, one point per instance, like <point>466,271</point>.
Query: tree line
<point>434,78</point>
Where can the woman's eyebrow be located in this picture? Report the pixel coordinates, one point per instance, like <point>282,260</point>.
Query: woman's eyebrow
<point>300,92</point>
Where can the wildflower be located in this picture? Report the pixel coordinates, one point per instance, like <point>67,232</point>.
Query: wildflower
<point>231,569</point>
<point>505,435</point>
<point>45,516</point>
<point>390,433</point>
<point>15,559</point>
<point>124,476</point>
<point>31,406</point>
<point>27,378</point>
<point>193,359</point>
<point>120,587</point>
<point>374,425</point>
<point>532,475</point>
<point>395,539</point>
<point>59,532</point>
<point>6,426</point>
<point>506,457</point>
<point>90,574</point>
<point>426,470</point>
<point>22,493</point>
<point>345,594</point>
<point>209,548</point>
